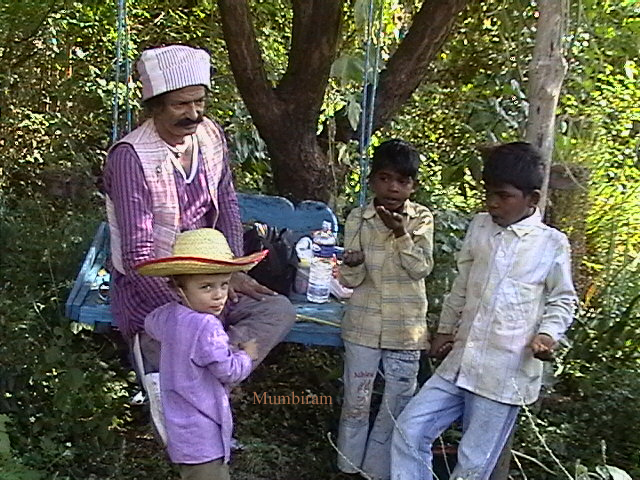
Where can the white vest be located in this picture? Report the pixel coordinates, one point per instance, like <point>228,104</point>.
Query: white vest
<point>157,164</point>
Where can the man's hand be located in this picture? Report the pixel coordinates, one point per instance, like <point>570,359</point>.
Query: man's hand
<point>441,345</point>
<point>243,283</point>
<point>353,258</point>
<point>393,221</point>
<point>542,346</point>
<point>251,348</point>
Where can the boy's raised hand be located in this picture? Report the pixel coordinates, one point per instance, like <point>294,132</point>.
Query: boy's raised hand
<point>392,220</point>
<point>251,348</point>
<point>353,258</point>
<point>441,345</point>
<point>542,346</point>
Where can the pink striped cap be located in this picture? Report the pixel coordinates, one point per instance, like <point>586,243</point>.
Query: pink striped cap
<point>170,68</point>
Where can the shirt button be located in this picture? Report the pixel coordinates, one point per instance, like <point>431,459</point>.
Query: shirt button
<point>470,344</point>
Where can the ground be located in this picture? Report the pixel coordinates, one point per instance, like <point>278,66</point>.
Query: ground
<point>281,441</point>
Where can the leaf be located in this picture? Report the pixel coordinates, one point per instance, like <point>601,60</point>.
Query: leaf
<point>348,68</point>
<point>361,13</point>
<point>617,473</point>
<point>75,378</point>
<point>629,70</point>
<point>353,113</point>
<point>5,446</point>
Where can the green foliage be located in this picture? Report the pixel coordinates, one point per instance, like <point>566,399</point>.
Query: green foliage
<point>55,388</point>
<point>288,441</point>
<point>581,416</point>
<point>63,394</point>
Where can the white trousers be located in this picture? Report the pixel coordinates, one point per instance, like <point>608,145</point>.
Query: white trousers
<point>359,447</point>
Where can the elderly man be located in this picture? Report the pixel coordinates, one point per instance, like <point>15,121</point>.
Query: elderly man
<point>172,174</point>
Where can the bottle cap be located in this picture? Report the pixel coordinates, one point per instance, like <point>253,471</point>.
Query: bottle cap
<point>325,251</point>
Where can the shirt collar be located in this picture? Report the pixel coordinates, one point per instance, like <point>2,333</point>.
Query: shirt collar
<point>526,225</point>
<point>409,210</point>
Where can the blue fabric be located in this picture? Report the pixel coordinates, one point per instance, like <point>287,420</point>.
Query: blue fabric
<point>486,428</point>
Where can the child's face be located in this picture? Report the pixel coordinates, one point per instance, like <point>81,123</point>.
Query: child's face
<point>206,293</point>
<point>391,189</point>
<point>507,204</point>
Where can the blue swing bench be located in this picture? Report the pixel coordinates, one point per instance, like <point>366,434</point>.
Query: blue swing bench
<point>318,324</point>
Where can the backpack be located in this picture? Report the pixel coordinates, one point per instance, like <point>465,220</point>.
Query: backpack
<point>277,271</point>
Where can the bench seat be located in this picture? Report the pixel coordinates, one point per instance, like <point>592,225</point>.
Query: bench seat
<point>318,324</point>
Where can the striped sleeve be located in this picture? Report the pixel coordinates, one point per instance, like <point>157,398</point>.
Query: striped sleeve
<point>415,249</point>
<point>125,185</point>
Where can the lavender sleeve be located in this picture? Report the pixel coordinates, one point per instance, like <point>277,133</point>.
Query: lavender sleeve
<point>212,351</point>
<point>229,213</point>
<point>127,189</point>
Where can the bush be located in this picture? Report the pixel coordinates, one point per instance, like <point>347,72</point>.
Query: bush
<point>55,386</point>
<point>583,414</point>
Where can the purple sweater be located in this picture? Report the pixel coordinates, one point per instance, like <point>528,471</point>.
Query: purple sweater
<point>196,365</point>
<point>134,296</point>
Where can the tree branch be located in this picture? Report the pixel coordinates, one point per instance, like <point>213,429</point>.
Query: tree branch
<point>246,62</point>
<point>19,59</point>
<point>315,33</point>
<point>408,65</point>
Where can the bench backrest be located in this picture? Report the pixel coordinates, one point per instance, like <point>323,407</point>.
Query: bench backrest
<point>279,212</point>
<point>274,211</point>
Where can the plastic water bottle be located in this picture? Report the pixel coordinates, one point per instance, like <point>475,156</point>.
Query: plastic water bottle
<point>320,274</point>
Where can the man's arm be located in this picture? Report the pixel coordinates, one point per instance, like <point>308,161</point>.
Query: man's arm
<point>127,189</point>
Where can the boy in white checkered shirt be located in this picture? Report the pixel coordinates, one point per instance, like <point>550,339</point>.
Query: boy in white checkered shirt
<point>512,300</point>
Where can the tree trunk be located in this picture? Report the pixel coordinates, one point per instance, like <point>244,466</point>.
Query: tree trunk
<point>546,73</point>
<point>286,115</point>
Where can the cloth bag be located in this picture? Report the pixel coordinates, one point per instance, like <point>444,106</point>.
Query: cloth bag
<point>151,384</point>
<point>277,271</point>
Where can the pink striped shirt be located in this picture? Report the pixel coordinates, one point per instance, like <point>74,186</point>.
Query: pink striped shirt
<point>132,295</point>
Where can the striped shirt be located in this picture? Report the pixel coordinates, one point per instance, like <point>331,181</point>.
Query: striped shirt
<point>389,303</point>
<point>134,296</point>
<point>512,284</point>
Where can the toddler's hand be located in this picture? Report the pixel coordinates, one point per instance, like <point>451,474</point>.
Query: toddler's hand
<point>542,346</point>
<point>441,345</point>
<point>353,258</point>
<point>251,348</point>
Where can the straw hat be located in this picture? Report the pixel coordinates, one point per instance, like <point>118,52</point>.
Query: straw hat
<point>204,250</point>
